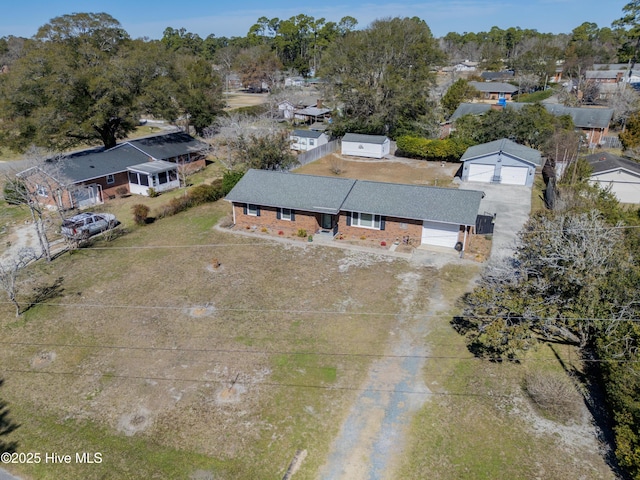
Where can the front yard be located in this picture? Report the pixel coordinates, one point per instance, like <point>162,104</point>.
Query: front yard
<point>182,351</point>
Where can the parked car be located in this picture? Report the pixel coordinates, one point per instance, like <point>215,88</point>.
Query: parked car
<point>87,224</point>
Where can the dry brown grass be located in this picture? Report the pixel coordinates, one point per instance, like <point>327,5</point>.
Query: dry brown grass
<point>400,170</point>
<point>241,99</point>
<point>242,363</point>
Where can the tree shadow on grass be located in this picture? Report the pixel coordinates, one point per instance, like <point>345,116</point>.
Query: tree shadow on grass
<point>42,293</point>
<point>6,427</point>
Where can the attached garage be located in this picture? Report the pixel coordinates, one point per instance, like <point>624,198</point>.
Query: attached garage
<point>514,175</point>
<point>500,161</point>
<point>479,172</point>
<point>440,234</point>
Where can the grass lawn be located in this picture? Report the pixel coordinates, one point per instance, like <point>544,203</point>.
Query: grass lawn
<point>181,351</point>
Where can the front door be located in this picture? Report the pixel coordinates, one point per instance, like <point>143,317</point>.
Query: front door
<point>326,221</point>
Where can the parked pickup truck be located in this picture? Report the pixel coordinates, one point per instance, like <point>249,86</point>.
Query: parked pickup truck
<point>87,224</point>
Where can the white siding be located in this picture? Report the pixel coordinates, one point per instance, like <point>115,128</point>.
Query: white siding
<point>625,186</point>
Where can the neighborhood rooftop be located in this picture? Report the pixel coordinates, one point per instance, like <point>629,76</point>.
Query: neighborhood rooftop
<point>169,145</point>
<point>504,145</point>
<point>582,117</point>
<point>605,161</point>
<point>307,133</point>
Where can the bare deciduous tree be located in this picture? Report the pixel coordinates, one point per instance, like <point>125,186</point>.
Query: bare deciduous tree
<point>10,270</point>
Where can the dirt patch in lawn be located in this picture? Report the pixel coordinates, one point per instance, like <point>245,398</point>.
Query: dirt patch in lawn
<point>394,169</point>
<point>242,99</point>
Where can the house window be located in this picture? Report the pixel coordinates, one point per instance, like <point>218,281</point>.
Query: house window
<point>252,210</point>
<point>366,220</point>
<point>144,180</point>
<point>162,178</point>
<point>133,178</point>
<point>286,214</point>
<point>41,190</point>
<point>111,179</point>
<point>173,175</point>
<point>311,142</point>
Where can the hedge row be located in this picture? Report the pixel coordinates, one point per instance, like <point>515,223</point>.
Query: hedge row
<point>446,150</point>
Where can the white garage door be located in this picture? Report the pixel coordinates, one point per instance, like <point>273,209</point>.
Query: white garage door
<point>440,234</point>
<point>514,175</point>
<point>479,172</point>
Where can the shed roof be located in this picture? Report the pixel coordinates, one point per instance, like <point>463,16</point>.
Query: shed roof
<point>307,133</point>
<point>286,190</point>
<point>507,146</point>
<point>360,138</point>
<point>415,202</point>
<point>605,162</point>
<point>493,87</point>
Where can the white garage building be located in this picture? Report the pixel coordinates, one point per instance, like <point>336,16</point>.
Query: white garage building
<point>369,146</point>
<point>618,174</point>
<point>501,161</point>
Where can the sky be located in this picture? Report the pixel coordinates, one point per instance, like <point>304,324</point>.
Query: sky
<point>234,18</point>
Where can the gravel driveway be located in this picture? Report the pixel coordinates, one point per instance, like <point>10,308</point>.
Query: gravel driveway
<point>512,205</point>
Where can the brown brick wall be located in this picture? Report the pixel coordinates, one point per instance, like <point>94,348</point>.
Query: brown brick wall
<point>268,219</point>
<point>396,229</point>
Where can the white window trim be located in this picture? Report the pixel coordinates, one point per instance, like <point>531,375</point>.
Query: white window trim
<point>252,210</point>
<point>111,179</point>
<point>283,216</point>
<point>376,220</point>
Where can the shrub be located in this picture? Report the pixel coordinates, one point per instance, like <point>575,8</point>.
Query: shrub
<point>554,394</point>
<point>229,180</point>
<point>140,213</point>
<point>122,191</point>
<point>446,150</point>
<point>302,232</point>
<point>152,192</point>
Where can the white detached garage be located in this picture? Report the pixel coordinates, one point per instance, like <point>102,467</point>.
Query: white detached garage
<point>369,146</point>
<point>501,161</point>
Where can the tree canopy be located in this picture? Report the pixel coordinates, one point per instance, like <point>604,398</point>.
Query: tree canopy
<point>383,75</point>
<point>81,79</point>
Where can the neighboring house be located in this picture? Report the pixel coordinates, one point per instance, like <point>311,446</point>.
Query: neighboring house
<point>390,212</point>
<point>293,82</point>
<point>620,175</point>
<point>466,66</point>
<point>369,146</point>
<point>286,109</point>
<point>604,76</point>
<point>501,161</point>
<point>497,76</point>
<point>490,91</point>
<point>593,122</point>
<point>312,114</point>
<point>91,177</point>
<point>305,140</point>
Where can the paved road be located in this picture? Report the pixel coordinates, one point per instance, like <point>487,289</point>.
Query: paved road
<point>512,205</point>
<point>4,475</point>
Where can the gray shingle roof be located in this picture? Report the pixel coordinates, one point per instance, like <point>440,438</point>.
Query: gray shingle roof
<point>493,87</point>
<point>330,195</point>
<point>582,116</point>
<point>360,138</point>
<point>507,146</point>
<point>162,147</point>
<point>605,162</point>
<point>306,133</point>
<point>287,190</point>
<point>87,165</point>
<point>415,202</point>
